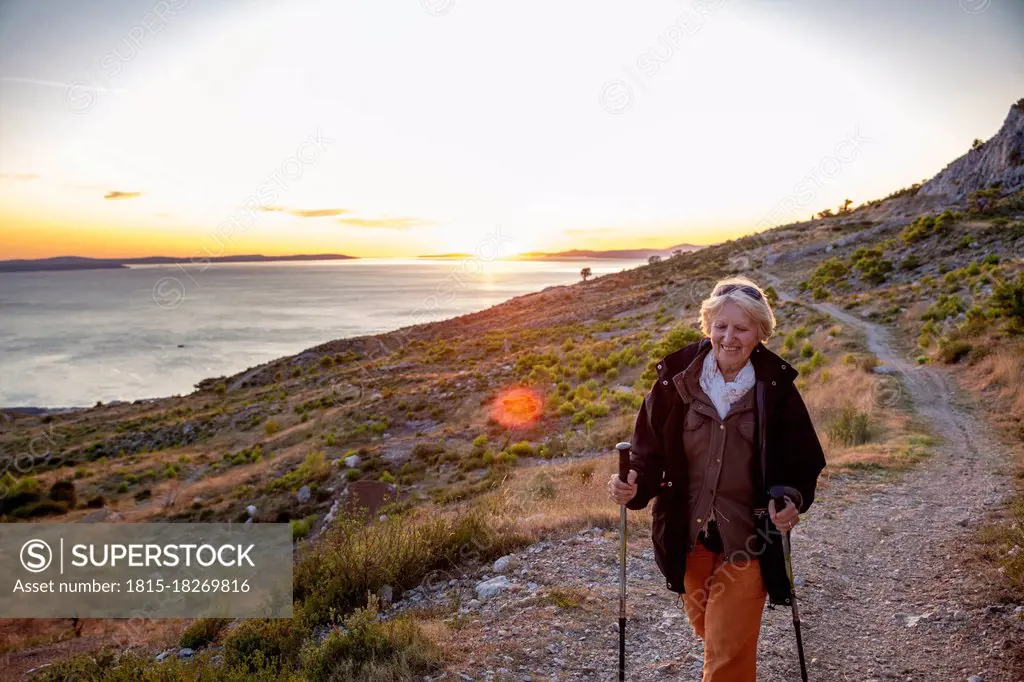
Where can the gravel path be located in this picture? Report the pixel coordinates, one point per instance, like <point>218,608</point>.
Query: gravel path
<point>887,586</point>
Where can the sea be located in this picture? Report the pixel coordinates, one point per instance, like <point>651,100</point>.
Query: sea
<point>73,338</point>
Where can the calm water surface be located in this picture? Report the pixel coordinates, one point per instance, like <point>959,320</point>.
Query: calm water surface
<point>72,338</point>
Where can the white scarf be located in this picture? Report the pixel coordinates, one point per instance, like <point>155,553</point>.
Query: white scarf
<point>722,393</point>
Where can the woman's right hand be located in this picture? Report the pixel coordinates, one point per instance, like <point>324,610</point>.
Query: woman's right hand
<point>620,492</point>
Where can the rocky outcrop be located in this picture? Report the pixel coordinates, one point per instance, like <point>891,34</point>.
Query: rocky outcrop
<point>999,160</point>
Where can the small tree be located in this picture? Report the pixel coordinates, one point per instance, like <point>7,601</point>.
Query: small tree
<point>977,144</point>
<point>827,213</point>
<point>654,259</point>
<point>585,273</point>
<point>845,208</point>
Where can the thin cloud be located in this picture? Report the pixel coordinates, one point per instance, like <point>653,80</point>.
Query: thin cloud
<point>122,195</point>
<point>317,212</point>
<point>304,212</point>
<point>18,177</point>
<point>386,223</point>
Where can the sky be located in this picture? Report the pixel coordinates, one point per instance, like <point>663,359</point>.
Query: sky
<point>392,129</point>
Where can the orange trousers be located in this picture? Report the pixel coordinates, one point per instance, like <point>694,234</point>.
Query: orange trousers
<point>724,603</point>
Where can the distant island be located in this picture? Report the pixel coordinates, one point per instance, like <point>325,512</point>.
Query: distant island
<point>58,263</point>
<point>82,263</point>
<point>576,254</point>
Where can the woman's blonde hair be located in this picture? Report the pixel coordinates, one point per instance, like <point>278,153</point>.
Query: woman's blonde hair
<point>748,296</point>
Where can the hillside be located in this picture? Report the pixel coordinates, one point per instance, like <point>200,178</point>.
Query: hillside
<point>410,424</point>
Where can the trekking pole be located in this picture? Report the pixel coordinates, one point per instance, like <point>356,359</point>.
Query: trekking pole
<point>623,449</point>
<point>780,503</point>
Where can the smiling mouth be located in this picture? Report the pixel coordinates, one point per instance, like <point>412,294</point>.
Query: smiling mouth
<point>731,350</point>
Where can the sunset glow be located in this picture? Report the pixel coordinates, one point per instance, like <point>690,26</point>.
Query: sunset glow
<point>305,127</point>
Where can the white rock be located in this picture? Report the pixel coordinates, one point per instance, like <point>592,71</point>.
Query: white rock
<point>489,588</point>
<point>251,510</point>
<point>303,495</point>
<point>352,461</point>
<point>504,563</point>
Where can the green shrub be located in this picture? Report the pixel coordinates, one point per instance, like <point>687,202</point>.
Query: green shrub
<point>849,427</point>
<point>351,558</point>
<point>952,352</point>
<point>871,265</point>
<point>948,305</point>
<point>868,363</point>
<point>817,360</point>
<point>258,643</point>
<point>806,350</point>
<point>1007,299</point>
<point>270,427</point>
<point>202,632</point>
<point>301,527</point>
<point>522,449</point>
<point>428,452</point>
<point>826,275</point>
<point>911,262</point>
<point>369,649</point>
<point>918,230</point>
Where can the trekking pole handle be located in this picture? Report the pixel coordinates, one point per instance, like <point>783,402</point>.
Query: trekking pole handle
<point>623,449</point>
<point>778,494</point>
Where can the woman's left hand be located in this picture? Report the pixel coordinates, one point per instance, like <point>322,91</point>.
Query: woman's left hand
<point>785,519</point>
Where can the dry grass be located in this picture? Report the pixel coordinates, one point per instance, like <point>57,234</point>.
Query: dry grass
<point>999,376</point>
<point>31,642</point>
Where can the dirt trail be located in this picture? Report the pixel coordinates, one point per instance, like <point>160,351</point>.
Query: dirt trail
<point>886,586</point>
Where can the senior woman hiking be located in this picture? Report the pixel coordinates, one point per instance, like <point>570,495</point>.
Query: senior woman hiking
<point>721,426</point>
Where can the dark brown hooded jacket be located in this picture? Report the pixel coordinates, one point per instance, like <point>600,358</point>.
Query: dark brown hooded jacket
<point>786,451</point>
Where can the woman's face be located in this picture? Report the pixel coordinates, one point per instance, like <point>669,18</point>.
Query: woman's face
<point>733,336</point>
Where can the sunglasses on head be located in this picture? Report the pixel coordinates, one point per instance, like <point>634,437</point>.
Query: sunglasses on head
<point>745,288</point>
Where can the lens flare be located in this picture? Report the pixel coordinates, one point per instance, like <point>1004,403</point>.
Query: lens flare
<point>517,407</point>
